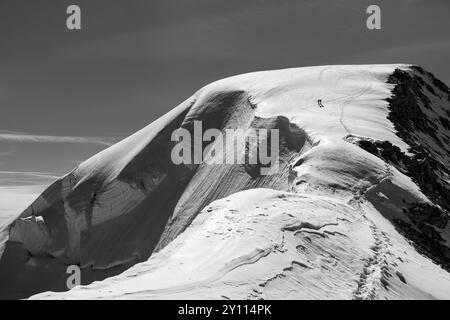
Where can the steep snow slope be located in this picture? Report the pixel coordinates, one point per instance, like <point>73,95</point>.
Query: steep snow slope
<point>263,243</point>
<point>351,163</point>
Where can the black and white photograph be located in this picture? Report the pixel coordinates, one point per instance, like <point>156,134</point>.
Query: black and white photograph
<point>243,150</point>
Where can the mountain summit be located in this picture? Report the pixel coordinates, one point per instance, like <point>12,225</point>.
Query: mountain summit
<point>358,207</point>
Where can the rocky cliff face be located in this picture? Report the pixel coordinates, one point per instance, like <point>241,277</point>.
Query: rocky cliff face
<point>419,110</point>
<point>375,157</point>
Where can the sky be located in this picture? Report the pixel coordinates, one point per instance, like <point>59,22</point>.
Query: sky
<point>66,95</point>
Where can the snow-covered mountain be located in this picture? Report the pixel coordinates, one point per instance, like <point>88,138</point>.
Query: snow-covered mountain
<point>359,208</point>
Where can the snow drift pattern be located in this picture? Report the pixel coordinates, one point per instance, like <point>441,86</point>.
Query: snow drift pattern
<point>362,189</point>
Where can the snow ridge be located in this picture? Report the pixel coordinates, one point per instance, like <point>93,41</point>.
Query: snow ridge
<point>330,224</point>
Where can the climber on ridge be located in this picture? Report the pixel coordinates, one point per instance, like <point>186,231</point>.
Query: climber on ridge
<point>319,102</point>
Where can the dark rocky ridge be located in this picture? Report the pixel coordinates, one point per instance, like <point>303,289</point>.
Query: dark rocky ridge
<point>416,118</point>
<point>174,194</point>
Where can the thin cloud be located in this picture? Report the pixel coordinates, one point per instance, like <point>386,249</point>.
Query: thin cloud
<point>6,153</point>
<point>24,137</point>
<point>10,179</point>
<point>29,173</point>
<point>12,132</point>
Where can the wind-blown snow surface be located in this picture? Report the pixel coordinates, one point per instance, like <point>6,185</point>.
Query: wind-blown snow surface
<point>325,226</point>
<point>263,243</point>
